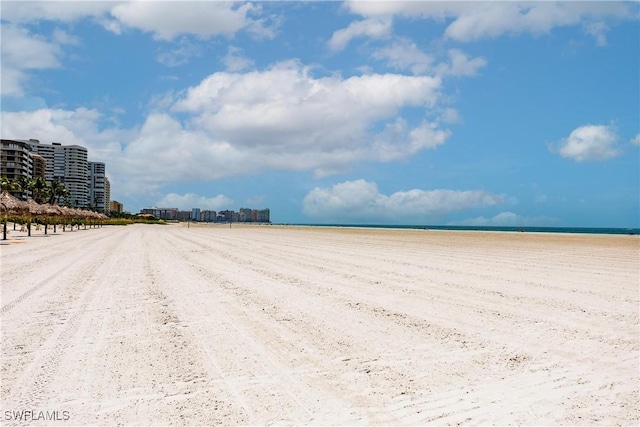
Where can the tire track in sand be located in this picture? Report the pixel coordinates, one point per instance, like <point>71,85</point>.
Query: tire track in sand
<point>268,386</point>
<point>49,279</point>
<point>37,376</point>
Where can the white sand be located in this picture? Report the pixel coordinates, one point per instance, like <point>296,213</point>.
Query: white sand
<point>273,325</point>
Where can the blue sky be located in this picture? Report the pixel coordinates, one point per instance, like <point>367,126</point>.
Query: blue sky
<point>475,113</point>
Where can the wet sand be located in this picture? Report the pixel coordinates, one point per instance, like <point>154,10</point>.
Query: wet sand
<point>255,325</point>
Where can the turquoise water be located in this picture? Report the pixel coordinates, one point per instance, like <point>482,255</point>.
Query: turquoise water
<point>579,230</point>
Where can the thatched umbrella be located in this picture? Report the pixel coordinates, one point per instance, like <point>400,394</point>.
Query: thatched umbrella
<point>79,215</point>
<point>9,204</point>
<point>65,213</point>
<point>35,209</point>
<point>51,211</point>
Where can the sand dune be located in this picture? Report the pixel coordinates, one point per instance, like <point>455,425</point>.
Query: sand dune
<point>306,326</point>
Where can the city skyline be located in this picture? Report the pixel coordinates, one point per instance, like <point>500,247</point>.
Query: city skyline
<point>452,113</point>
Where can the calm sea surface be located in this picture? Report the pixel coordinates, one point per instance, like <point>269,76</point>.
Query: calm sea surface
<point>581,230</point>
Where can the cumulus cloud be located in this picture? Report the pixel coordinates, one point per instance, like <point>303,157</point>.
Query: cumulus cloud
<point>375,28</point>
<point>179,55</point>
<point>21,52</point>
<point>235,61</point>
<point>52,124</point>
<point>291,120</point>
<point>426,135</point>
<point>598,30</point>
<point>62,37</point>
<point>460,64</point>
<point>167,20</point>
<point>636,140</point>
<point>281,118</point>
<point>36,11</point>
<point>403,54</point>
<point>508,219</point>
<point>164,20</point>
<point>362,201</point>
<point>82,126</point>
<point>589,143</point>
<point>471,21</point>
<point>188,200</point>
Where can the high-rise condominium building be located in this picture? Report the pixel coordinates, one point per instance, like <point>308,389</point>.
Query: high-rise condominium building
<point>16,161</point>
<point>97,186</point>
<point>39,166</point>
<point>69,165</point>
<point>107,189</point>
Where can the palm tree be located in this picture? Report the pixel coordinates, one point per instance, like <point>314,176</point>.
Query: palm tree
<point>39,188</point>
<point>5,184</point>
<point>57,190</point>
<point>22,185</point>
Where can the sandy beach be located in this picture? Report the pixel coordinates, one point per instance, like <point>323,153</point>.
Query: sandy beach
<point>256,325</point>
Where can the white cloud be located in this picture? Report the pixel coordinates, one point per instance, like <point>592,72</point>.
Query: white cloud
<point>589,143</point>
<point>52,125</point>
<point>598,31</point>
<point>460,64</point>
<point>450,116</point>
<point>470,21</point>
<point>81,126</point>
<point>63,38</point>
<point>426,135</point>
<point>240,124</point>
<point>635,140</point>
<point>167,20</point>
<point>21,52</point>
<point>35,11</point>
<point>294,121</point>
<point>374,28</point>
<point>188,200</point>
<point>403,54</point>
<point>234,60</point>
<point>508,219</point>
<point>164,19</point>
<point>179,55</point>
<point>362,201</point>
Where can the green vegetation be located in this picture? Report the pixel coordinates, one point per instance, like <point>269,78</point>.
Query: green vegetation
<point>41,191</point>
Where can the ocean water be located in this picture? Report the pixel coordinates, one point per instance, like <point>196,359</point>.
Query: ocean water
<point>579,230</point>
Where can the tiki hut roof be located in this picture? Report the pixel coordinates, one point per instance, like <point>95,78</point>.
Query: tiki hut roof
<point>11,203</point>
<point>35,208</point>
<point>52,210</point>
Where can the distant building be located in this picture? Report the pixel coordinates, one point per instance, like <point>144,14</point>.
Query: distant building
<point>263,215</point>
<point>208,216</point>
<point>195,214</point>
<point>244,215</point>
<point>226,216</point>
<point>115,206</point>
<point>162,213</point>
<point>97,186</point>
<point>183,215</point>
